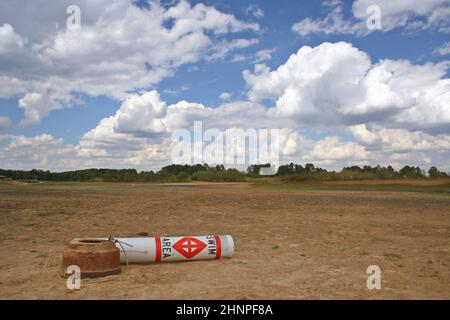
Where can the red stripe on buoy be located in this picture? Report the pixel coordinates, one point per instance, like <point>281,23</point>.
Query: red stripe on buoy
<point>218,247</point>
<point>158,249</point>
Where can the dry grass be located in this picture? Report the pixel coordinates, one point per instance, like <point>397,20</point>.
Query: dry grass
<point>290,243</point>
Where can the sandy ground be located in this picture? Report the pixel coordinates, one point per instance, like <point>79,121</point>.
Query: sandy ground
<point>290,244</point>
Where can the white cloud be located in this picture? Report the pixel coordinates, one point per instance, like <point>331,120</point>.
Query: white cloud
<point>225,96</point>
<point>145,122</point>
<point>139,135</point>
<point>258,57</point>
<point>42,151</point>
<point>119,48</point>
<point>263,55</point>
<point>443,50</point>
<point>222,49</point>
<point>336,84</point>
<point>239,58</point>
<point>408,14</point>
<point>293,145</point>
<point>146,116</point>
<point>361,134</point>
<point>255,11</point>
<point>388,105</point>
<point>331,148</point>
<point>395,110</point>
<point>153,121</point>
<point>334,22</point>
<point>415,14</point>
<point>141,114</point>
<point>37,105</point>
<point>10,41</point>
<point>400,140</point>
<point>313,83</point>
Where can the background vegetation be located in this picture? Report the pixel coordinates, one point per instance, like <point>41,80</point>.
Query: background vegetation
<point>202,172</point>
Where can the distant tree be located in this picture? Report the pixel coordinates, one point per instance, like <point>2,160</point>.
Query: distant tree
<point>411,172</point>
<point>353,168</point>
<point>286,169</point>
<point>254,169</point>
<point>434,172</point>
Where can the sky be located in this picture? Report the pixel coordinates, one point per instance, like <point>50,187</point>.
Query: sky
<point>108,83</point>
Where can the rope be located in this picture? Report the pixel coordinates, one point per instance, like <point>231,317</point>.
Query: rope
<point>110,238</point>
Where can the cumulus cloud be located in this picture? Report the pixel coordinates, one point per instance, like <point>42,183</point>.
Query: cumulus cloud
<point>141,114</point>
<point>362,134</point>
<point>9,40</point>
<point>119,49</point>
<point>336,84</point>
<point>400,140</point>
<point>331,148</point>
<point>397,113</point>
<point>140,135</point>
<point>145,122</point>
<point>42,151</point>
<point>146,116</point>
<point>38,105</point>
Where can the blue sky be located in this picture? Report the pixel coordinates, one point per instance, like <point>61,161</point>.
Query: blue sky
<point>66,109</point>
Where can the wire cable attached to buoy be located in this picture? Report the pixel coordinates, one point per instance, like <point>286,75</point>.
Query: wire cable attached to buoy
<point>111,238</point>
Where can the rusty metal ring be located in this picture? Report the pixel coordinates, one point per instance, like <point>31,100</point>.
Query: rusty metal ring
<point>95,257</point>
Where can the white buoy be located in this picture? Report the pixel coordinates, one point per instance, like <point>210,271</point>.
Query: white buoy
<point>162,249</point>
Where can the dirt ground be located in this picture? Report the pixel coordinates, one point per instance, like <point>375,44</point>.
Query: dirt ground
<point>290,244</point>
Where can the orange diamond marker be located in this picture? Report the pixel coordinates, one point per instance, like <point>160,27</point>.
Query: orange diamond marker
<point>189,247</point>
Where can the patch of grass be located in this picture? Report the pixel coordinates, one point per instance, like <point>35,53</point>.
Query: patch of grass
<point>101,187</point>
<point>52,187</point>
<point>393,256</point>
<point>442,189</point>
<point>120,187</point>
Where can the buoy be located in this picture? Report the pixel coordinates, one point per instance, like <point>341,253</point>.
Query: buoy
<point>164,249</point>
<point>95,257</point>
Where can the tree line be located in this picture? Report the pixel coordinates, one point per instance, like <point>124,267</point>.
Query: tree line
<point>295,172</point>
<point>171,173</point>
<point>204,172</point>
